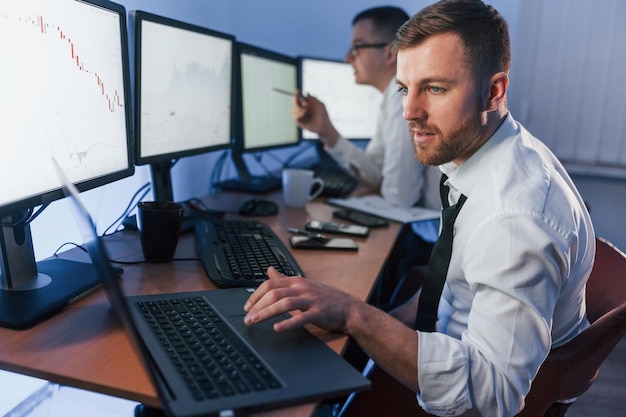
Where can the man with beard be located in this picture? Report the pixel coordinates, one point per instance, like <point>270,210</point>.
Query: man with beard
<point>523,243</point>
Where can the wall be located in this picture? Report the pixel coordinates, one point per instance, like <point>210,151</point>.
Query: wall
<point>320,28</point>
<point>569,83</point>
<point>567,88</point>
<point>606,197</point>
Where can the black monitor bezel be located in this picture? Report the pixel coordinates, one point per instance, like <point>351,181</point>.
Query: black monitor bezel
<point>32,291</point>
<point>140,16</point>
<point>49,196</point>
<point>239,145</point>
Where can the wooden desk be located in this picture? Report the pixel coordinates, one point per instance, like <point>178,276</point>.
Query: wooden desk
<point>85,347</point>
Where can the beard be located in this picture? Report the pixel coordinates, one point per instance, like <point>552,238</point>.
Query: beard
<point>451,146</point>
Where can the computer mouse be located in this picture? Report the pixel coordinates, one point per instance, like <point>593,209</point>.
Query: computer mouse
<point>258,207</point>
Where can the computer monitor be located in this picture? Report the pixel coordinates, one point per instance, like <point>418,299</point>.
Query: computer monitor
<point>183,94</point>
<point>267,82</point>
<point>65,97</point>
<point>353,108</point>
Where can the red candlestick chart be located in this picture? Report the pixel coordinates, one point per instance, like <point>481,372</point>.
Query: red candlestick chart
<point>62,91</point>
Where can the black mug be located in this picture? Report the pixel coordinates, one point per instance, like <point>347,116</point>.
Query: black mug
<point>159,229</point>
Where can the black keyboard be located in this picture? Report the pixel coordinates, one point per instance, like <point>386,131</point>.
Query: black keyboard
<point>210,358</point>
<point>337,182</point>
<point>237,253</point>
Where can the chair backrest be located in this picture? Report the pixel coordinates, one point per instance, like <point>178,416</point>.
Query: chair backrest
<point>571,369</point>
<point>606,288</point>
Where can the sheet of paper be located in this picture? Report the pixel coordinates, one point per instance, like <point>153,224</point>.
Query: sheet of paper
<point>18,389</point>
<point>377,206</point>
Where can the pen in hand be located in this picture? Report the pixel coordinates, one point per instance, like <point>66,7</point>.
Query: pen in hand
<point>301,99</point>
<point>285,92</point>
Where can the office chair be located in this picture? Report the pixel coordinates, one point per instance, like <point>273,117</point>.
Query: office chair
<point>568,371</point>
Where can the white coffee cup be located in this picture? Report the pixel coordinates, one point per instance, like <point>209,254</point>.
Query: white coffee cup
<point>298,187</point>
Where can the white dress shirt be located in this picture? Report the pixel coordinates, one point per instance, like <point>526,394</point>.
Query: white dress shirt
<point>523,249</point>
<point>388,162</point>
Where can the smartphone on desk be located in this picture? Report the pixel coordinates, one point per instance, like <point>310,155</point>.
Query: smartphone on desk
<point>341,244</point>
<point>338,228</point>
<point>360,217</point>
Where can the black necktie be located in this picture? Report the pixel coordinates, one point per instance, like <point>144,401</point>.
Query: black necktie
<point>438,263</point>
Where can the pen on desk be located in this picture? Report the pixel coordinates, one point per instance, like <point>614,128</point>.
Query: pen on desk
<point>317,236</point>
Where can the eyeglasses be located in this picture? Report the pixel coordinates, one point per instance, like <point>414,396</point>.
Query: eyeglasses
<point>354,49</point>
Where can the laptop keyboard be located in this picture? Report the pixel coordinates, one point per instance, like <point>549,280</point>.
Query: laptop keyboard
<point>209,356</point>
<point>237,253</point>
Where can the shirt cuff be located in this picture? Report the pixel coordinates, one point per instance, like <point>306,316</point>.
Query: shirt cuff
<point>442,376</point>
<point>341,149</point>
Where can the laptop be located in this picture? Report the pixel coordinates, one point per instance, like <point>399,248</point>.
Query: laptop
<point>274,369</point>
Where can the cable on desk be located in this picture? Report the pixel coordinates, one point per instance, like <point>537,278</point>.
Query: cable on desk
<point>130,205</point>
<point>216,172</point>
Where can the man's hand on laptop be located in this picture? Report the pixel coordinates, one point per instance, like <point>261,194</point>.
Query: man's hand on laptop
<point>319,304</point>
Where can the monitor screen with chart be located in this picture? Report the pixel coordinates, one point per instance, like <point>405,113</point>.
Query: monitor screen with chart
<point>65,97</point>
<point>267,81</point>
<point>184,93</point>
<point>353,108</point>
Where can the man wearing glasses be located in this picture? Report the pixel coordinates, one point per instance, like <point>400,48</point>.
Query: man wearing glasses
<point>387,165</point>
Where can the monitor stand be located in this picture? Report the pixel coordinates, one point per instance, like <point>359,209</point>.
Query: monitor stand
<point>246,182</point>
<point>256,185</point>
<point>31,292</point>
<point>163,191</point>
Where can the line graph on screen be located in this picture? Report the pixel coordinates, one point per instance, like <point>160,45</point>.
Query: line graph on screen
<point>62,90</point>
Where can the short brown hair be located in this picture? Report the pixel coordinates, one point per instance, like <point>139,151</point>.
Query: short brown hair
<point>483,32</point>
<point>385,19</point>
